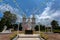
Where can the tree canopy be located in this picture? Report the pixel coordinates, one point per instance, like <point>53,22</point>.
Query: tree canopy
<point>54,24</point>
<point>8,19</point>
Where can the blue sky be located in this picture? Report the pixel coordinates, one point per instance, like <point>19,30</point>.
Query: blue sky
<point>45,10</point>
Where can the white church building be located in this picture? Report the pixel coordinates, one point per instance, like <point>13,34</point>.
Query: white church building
<point>28,23</point>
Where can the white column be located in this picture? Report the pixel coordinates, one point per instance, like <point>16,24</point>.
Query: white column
<point>18,29</point>
<point>39,29</point>
<point>45,29</point>
<point>51,29</point>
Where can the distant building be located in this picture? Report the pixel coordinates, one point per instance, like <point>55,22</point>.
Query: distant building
<point>28,23</point>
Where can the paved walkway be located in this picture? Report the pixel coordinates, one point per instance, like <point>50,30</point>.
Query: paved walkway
<point>29,37</point>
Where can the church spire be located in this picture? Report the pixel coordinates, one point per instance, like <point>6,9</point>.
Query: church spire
<point>24,15</point>
<point>33,18</point>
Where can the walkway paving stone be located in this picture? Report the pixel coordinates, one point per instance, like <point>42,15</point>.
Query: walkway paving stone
<point>28,37</point>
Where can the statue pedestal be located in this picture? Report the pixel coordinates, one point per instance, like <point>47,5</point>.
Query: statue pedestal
<point>28,31</point>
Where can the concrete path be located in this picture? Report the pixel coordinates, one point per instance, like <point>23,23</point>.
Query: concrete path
<point>29,37</point>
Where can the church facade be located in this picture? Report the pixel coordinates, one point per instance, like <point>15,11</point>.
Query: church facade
<point>28,23</point>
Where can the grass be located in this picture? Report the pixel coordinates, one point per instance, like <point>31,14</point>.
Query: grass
<point>44,36</point>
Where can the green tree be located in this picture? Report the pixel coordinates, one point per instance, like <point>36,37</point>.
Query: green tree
<point>15,26</point>
<point>20,26</point>
<point>37,28</point>
<point>1,26</point>
<point>2,23</point>
<point>54,24</point>
<point>8,18</point>
<point>42,27</point>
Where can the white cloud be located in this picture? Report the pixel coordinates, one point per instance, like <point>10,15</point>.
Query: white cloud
<point>7,7</point>
<point>48,15</point>
<point>45,14</point>
<point>45,18</point>
<point>19,18</point>
<point>56,14</point>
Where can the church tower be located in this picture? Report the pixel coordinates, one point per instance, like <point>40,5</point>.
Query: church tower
<point>24,18</point>
<point>33,21</point>
<point>24,21</point>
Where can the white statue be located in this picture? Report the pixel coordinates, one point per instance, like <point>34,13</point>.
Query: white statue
<point>6,31</point>
<point>5,27</point>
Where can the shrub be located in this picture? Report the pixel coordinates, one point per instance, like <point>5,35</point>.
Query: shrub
<point>44,36</point>
<point>56,31</point>
<point>1,29</point>
<point>13,36</point>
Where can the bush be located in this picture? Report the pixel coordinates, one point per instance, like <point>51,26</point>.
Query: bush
<point>36,28</point>
<point>56,31</point>
<point>44,36</point>
<point>1,28</point>
<point>13,36</point>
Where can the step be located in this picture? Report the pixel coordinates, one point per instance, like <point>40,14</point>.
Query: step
<point>28,35</point>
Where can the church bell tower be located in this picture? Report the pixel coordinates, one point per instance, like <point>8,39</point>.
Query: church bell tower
<point>33,22</point>
<point>24,21</point>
